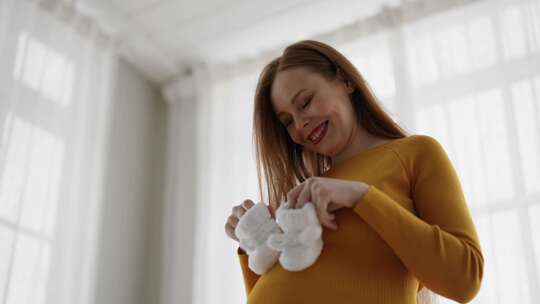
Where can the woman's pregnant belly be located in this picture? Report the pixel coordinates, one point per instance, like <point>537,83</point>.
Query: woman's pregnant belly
<point>355,266</point>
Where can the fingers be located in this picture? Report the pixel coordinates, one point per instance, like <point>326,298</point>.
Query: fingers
<point>305,196</point>
<point>248,204</point>
<point>301,194</point>
<point>229,228</point>
<point>330,224</point>
<point>242,208</point>
<point>233,219</point>
<point>238,211</point>
<point>327,219</point>
<point>292,195</point>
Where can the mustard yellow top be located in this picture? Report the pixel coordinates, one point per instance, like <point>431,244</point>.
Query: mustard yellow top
<point>411,228</point>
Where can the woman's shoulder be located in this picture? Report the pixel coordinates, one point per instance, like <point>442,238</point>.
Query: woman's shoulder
<point>417,146</point>
<point>417,142</point>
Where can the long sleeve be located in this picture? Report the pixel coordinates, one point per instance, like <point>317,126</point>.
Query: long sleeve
<point>440,246</point>
<point>250,277</point>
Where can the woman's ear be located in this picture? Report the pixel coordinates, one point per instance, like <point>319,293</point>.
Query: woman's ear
<point>348,84</point>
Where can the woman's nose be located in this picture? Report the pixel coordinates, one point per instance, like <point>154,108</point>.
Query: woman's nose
<point>301,123</point>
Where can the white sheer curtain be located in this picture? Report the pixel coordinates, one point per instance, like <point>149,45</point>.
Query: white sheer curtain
<point>227,177</point>
<point>55,73</point>
<point>471,78</point>
<point>465,72</point>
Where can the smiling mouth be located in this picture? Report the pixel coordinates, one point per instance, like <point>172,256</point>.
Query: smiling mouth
<point>318,134</point>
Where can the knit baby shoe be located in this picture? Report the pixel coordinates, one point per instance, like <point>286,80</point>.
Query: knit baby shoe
<point>253,229</point>
<point>301,242</point>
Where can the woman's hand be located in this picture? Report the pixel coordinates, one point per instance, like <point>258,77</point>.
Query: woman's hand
<point>236,214</point>
<point>328,195</point>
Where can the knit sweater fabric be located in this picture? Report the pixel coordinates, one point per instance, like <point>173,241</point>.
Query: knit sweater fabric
<point>412,228</point>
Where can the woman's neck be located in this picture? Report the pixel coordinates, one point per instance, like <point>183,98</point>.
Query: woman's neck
<point>360,141</point>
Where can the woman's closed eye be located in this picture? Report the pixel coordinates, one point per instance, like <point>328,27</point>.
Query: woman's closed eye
<point>306,104</point>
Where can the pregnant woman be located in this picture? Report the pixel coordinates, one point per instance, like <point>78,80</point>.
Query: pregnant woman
<point>391,206</point>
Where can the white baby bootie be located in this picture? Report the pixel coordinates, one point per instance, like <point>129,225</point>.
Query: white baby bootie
<point>301,242</point>
<point>253,229</point>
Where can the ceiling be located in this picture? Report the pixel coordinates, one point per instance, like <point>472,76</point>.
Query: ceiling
<point>161,38</point>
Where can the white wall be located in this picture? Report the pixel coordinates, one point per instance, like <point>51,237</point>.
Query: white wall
<point>129,253</point>
<point>180,209</point>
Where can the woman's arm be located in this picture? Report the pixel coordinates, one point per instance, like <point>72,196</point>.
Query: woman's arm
<point>440,246</point>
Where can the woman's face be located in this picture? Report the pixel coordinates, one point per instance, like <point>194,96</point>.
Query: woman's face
<point>317,113</point>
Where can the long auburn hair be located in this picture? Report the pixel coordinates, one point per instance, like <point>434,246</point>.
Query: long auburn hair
<point>284,162</point>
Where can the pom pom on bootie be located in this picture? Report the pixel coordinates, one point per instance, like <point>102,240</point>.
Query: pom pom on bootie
<point>301,242</point>
<point>253,230</point>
